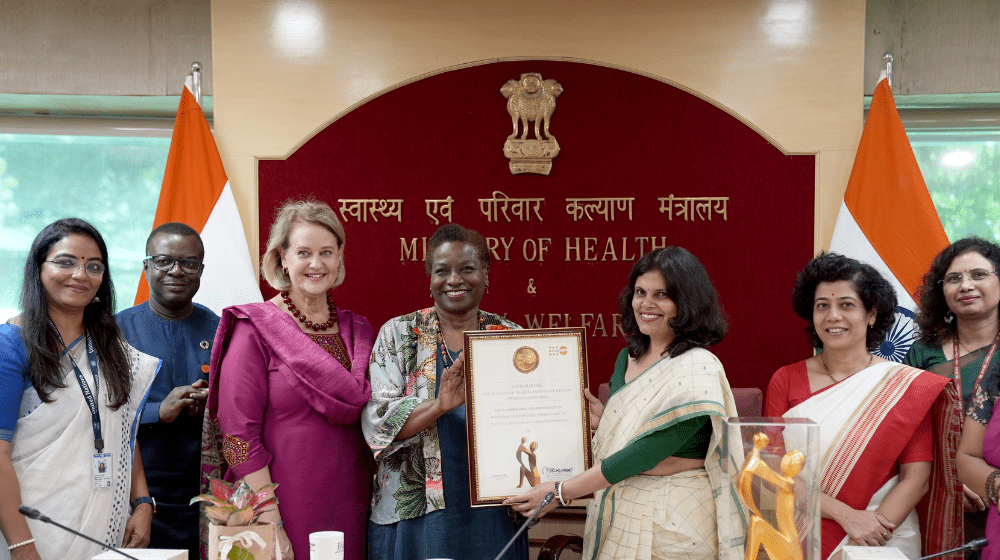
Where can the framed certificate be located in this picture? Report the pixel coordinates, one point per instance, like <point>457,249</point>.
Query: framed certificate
<point>527,419</point>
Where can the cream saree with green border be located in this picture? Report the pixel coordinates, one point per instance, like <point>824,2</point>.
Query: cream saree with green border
<point>689,515</point>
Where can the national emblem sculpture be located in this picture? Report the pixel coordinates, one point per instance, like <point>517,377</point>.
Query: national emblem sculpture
<point>531,99</point>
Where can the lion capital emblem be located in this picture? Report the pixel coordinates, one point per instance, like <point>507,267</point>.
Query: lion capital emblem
<point>531,99</point>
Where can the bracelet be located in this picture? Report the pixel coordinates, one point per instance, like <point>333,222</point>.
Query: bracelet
<point>143,500</point>
<point>559,495</point>
<point>991,491</point>
<point>20,544</point>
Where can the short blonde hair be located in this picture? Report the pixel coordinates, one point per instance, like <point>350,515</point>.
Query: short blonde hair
<point>293,212</point>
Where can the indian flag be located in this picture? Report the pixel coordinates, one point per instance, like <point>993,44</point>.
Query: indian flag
<point>196,192</point>
<point>887,218</point>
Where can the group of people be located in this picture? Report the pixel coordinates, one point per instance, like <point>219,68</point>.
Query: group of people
<point>926,423</point>
<point>364,431</point>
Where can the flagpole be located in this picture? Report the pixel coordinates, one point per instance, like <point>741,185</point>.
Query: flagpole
<point>886,63</point>
<point>196,81</point>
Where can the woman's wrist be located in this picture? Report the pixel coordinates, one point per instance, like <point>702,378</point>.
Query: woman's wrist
<point>571,489</point>
<point>25,552</point>
<point>991,486</point>
<point>21,544</point>
<point>841,513</point>
<point>437,409</point>
<point>559,492</point>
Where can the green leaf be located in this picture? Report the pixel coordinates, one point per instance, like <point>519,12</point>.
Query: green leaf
<point>411,498</point>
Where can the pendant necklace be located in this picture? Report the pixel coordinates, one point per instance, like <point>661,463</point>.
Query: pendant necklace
<point>822,358</point>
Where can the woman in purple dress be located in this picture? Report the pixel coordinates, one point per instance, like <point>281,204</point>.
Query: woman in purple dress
<point>288,382</point>
<point>973,462</point>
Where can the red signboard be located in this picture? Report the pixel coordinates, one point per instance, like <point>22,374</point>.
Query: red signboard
<point>642,164</point>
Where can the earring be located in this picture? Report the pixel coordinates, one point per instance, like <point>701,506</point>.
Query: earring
<point>949,317</point>
<point>871,323</point>
<point>285,271</point>
<point>95,300</point>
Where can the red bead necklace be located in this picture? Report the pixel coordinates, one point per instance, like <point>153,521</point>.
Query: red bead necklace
<point>302,317</point>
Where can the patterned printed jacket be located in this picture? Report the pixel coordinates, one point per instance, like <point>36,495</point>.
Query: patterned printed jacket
<point>403,374</point>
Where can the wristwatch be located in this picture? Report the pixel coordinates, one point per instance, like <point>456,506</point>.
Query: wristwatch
<point>143,500</point>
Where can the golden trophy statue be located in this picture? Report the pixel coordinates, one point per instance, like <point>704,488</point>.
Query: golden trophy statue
<point>781,543</point>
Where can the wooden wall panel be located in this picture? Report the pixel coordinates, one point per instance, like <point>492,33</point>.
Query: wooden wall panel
<point>939,46</point>
<point>792,69</point>
<point>103,47</point>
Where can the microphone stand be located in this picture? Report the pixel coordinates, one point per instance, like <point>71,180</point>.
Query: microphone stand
<point>974,544</point>
<point>35,514</point>
<point>541,505</point>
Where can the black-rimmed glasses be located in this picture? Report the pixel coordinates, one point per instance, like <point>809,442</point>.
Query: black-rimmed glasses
<point>165,263</point>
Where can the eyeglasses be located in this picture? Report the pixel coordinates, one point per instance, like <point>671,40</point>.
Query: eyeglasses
<point>976,276</point>
<point>94,269</point>
<point>165,263</point>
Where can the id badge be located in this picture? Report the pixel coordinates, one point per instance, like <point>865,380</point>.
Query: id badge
<point>103,467</point>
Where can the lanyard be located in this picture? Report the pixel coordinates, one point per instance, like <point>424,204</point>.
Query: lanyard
<point>986,364</point>
<point>95,413</point>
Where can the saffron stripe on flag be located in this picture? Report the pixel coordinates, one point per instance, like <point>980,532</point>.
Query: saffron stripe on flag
<point>888,199</point>
<point>196,192</point>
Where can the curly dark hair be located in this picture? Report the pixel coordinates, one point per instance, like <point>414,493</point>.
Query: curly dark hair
<point>933,307</point>
<point>700,321</point>
<point>455,232</point>
<point>40,340</point>
<point>875,291</point>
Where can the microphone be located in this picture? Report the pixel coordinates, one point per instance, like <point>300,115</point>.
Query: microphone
<point>974,544</point>
<point>35,514</point>
<point>541,505</point>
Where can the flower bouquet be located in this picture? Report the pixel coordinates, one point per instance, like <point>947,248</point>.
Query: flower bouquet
<point>234,532</point>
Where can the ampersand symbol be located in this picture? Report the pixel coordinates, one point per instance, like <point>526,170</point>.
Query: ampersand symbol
<point>531,286</point>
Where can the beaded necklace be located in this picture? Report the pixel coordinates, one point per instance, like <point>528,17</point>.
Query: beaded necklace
<point>302,317</point>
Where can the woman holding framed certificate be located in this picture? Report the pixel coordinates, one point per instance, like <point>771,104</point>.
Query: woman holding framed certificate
<point>415,422</point>
<point>659,489</point>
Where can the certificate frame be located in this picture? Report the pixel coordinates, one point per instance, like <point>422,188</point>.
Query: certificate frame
<point>521,383</point>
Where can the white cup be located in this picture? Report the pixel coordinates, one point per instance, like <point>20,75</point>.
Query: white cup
<point>326,545</point>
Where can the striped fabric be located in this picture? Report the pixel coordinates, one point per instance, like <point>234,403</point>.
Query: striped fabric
<point>866,420</point>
